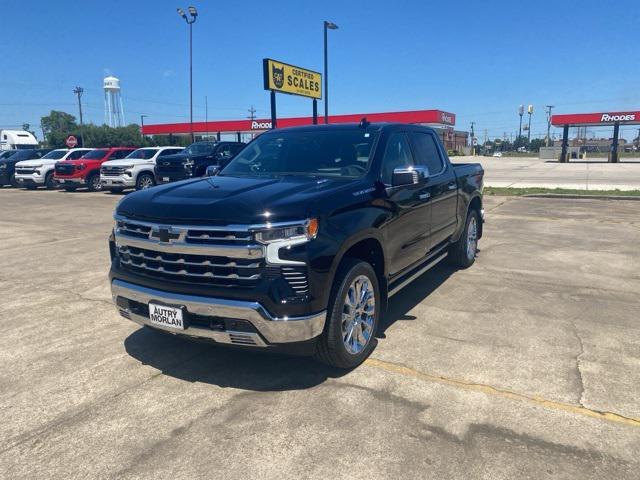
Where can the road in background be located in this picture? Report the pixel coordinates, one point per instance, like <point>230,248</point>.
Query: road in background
<point>591,174</point>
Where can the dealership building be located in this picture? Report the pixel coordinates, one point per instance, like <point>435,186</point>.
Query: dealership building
<point>244,130</point>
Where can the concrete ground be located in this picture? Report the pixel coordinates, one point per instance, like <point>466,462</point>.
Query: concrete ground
<point>591,174</point>
<point>526,365</point>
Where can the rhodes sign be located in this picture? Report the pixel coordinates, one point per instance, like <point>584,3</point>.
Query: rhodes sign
<point>285,78</point>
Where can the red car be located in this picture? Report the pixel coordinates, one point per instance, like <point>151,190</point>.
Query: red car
<point>85,171</point>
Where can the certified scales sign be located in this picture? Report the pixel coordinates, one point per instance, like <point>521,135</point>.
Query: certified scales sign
<point>285,78</point>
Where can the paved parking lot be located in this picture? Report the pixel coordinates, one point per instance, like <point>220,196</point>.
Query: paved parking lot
<point>527,365</point>
<point>591,174</point>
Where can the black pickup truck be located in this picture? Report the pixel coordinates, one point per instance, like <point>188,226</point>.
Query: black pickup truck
<point>299,241</point>
<point>194,160</point>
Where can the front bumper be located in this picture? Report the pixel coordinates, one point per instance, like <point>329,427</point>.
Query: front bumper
<point>69,181</point>
<point>29,179</point>
<point>120,181</point>
<point>131,300</point>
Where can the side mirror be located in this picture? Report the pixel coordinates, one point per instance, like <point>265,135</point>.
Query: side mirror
<point>211,171</point>
<point>409,175</point>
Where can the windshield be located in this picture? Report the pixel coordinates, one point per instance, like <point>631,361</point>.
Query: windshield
<point>55,154</point>
<point>330,153</point>
<point>7,154</point>
<point>143,153</point>
<point>95,154</point>
<point>200,148</point>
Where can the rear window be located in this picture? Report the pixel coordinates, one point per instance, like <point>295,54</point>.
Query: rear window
<point>55,154</point>
<point>143,154</point>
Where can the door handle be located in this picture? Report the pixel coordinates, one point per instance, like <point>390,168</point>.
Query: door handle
<point>451,186</point>
<point>424,196</point>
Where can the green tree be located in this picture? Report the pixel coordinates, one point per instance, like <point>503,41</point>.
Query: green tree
<point>57,126</point>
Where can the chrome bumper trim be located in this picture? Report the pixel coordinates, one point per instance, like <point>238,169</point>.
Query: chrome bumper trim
<point>273,329</point>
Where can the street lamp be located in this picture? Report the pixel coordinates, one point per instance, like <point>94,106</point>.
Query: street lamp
<point>142,127</point>
<point>190,21</point>
<point>327,26</point>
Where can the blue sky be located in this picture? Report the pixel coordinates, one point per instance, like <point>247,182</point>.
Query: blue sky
<point>479,60</point>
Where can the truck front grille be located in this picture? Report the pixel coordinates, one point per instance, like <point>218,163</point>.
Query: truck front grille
<point>25,170</point>
<point>219,256</point>
<point>218,271</point>
<point>111,171</point>
<point>64,169</point>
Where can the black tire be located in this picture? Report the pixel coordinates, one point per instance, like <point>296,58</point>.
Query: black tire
<point>116,190</point>
<point>49,182</point>
<point>460,253</point>
<point>145,180</point>
<point>93,182</point>
<point>30,187</point>
<point>13,182</point>
<point>71,188</point>
<point>331,348</point>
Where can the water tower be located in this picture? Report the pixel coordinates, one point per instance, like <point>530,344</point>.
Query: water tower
<point>113,109</point>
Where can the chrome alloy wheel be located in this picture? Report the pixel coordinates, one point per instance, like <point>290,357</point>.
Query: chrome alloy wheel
<point>146,182</point>
<point>358,315</point>
<point>472,238</point>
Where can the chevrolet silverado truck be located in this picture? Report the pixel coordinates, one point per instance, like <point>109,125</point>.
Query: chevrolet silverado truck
<point>194,160</point>
<point>41,172</point>
<point>84,170</point>
<point>135,170</point>
<point>8,164</point>
<point>297,243</point>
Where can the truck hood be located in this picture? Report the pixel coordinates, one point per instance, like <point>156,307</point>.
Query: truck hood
<point>225,200</point>
<point>39,161</point>
<point>128,161</point>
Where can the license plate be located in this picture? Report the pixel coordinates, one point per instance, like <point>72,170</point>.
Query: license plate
<point>61,181</point>
<point>165,179</point>
<point>169,317</point>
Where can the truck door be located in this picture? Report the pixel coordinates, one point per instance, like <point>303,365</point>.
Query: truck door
<point>441,186</point>
<point>407,232</point>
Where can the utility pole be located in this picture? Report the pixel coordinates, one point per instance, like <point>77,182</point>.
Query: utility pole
<point>252,113</point>
<point>142,127</point>
<point>206,115</point>
<point>549,107</point>
<point>79,91</point>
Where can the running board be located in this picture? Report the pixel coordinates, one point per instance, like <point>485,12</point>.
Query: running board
<point>395,289</point>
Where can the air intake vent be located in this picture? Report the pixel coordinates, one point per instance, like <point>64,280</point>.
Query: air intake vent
<point>240,338</point>
<point>296,277</point>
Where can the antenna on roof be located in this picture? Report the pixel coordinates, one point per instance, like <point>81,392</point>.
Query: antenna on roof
<point>364,123</point>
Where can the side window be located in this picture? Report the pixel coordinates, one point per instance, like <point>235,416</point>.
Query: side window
<point>224,151</point>
<point>118,154</point>
<point>427,153</point>
<point>166,153</point>
<point>236,148</point>
<point>75,155</point>
<point>397,154</point>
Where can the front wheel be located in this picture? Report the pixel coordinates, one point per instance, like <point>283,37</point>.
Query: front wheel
<point>463,252</point>
<point>49,182</point>
<point>93,182</point>
<point>352,318</point>
<point>144,181</point>
<point>13,182</point>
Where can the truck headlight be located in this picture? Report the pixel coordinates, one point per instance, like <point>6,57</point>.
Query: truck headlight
<point>304,231</point>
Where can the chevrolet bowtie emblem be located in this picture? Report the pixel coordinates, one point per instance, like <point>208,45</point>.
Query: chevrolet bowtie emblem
<point>164,235</point>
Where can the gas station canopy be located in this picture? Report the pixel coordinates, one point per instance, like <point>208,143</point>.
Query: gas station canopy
<point>590,119</point>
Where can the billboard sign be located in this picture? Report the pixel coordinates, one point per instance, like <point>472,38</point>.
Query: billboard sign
<point>602,118</point>
<point>285,78</point>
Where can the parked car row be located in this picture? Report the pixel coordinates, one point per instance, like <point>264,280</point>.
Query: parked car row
<point>114,169</point>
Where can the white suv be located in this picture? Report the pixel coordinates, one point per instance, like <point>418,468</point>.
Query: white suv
<point>134,171</point>
<point>39,172</point>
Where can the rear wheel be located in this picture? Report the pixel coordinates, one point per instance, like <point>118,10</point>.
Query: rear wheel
<point>49,182</point>
<point>352,318</point>
<point>93,182</point>
<point>463,252</point>
<point>144,181</point>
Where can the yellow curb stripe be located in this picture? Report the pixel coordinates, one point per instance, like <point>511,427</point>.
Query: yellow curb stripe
<point>489,390</point>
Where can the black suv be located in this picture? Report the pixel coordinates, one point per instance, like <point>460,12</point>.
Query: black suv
<point>299,241</point>
<point>194,160</point>
<point>8,164</point>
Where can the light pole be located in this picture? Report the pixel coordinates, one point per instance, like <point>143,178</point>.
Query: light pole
<point>530,112</point>
<point>142,127</point>
<point>190,21</point>
<point>327,26</point>
<point>549,107</point>
<point>520,112</point>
